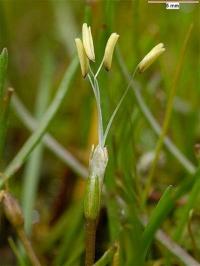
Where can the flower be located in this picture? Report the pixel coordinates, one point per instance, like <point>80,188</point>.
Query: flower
<point>88,42</point>
<point>151,57</point>
<point>107,60</point>
<point>84,62</point>
<point>98,162</point>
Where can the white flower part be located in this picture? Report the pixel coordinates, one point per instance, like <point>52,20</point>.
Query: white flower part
<point>151,57</point>
<point>110,46</point>
<point>98,162</point>
<point>88,42</point>
<point>84,62</point>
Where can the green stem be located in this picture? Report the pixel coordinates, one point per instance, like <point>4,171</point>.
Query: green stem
<point>35,138</point>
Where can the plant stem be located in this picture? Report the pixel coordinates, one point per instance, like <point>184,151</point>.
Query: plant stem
<point>35,138</point>
<point>117,107</point>
<point>90,230</point>
<point>28,247</point>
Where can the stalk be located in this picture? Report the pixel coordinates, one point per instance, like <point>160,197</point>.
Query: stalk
<point>90,230</point>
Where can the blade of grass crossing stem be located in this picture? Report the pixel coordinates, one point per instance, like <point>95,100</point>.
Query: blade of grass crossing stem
<point>35,138</point>
<point>167,116</point>
<point>3,70</point>
<point>32,171</point>
<point>158,216</point>
<point>186,209</point>
<point>52,144</point>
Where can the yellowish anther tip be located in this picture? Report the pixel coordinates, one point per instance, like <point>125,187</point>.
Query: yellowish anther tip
<point>109,50</point>
<point>84,62</point>
<point>88,42</point>
<point>151,57</point>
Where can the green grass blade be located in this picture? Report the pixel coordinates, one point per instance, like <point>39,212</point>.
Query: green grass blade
<point>3,70</point>
<point>4,118</point>
<point>20,259</point>
<point>32,171</point>
<point>107,257</point>
<point>158,216</point>
<point>3,107</point>
<point>52,144</point>
<point>35,138</point>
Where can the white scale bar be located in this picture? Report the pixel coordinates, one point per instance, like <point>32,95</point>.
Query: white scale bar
<point>180,2</point>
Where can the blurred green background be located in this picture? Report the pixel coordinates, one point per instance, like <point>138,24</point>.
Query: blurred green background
<point>39,36</point>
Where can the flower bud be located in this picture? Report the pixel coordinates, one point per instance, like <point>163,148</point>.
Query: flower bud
<point>98,163</point>
<point>151,57</point>
<point>92,198</point>
<point>12,210</point>
<point>84,62</point>
<point>88,42</point>
<point>107,60</point>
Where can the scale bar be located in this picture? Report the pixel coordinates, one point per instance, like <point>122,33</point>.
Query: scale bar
<point>180,2</point>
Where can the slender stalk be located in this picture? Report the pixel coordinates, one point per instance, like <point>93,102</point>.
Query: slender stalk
<point>184,161</point>
<point>99,69</point>
<point>35,138</point>
<point>118,106</point>
<point>90,230</point>
<point>167,117</point>
<point>95,88</point>
<point>28,247</point>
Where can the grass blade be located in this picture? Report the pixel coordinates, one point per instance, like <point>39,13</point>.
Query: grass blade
<point>32,171</point>
<point>35,138</point>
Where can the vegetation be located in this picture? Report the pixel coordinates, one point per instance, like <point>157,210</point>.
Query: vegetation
<point>132,199</point>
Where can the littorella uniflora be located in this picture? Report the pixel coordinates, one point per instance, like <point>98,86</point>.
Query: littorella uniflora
<point>99,155</point>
